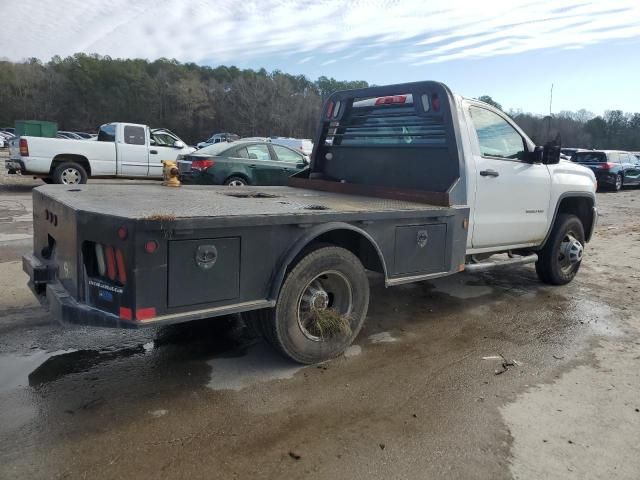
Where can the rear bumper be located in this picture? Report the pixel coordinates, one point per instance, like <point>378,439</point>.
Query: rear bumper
<point>15,165</point>
<point>68,311</point>
<point>62,306</point>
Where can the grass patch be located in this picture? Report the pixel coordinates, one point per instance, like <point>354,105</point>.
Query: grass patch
<point>329,324</point>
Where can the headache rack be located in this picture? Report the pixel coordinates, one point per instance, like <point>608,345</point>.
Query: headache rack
<point>398,141</point>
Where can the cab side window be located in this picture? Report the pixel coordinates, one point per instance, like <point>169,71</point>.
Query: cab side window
<point>496,137</point>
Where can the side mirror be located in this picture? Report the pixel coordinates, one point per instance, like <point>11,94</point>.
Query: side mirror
<point>178,144</point>
<point>536,156</point>
<point>152,142</point>
<point>551,153</point>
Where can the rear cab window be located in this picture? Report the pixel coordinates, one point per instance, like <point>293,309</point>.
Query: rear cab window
<point>134,135</point>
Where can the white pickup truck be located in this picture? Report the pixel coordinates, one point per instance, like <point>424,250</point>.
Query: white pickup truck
<point>120,150</point>
<point>410,181</point>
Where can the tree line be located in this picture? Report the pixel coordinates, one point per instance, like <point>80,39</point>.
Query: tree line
<point>82,91</point>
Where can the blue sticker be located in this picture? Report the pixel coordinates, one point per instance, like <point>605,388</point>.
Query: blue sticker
<point>105,295</point>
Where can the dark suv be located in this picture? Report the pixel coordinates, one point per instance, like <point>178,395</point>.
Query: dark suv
<point>613,169</point>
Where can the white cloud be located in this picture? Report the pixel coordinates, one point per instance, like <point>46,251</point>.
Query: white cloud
<point>228,31</point>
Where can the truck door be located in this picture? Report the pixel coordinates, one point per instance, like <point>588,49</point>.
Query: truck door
<point>512,194</point>
<point>161,147</point>
<point>133,151</point>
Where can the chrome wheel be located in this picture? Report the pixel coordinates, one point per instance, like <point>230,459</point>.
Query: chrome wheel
<point>236,183</point>
<point>328,292</point>
<point>70,176</point>
<point>571,252</point>
<point>618,182</point>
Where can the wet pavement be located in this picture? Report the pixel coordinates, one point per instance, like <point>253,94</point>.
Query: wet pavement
<point>473,376</point>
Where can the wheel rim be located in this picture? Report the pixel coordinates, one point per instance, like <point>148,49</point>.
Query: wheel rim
<point>70,176</point>
<point>618,182</point>
<point>236,183</point>
<point>330,290</point>
<point>570,254</point>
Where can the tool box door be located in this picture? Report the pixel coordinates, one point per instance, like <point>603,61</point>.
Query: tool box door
<point>203,271</point>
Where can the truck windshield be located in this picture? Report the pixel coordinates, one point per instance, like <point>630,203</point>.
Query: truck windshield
<point>589,157</point>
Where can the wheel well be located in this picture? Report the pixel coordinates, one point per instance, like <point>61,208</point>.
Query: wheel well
<point>581,207</point>
<point>79,159</point>
<point>356,243</point>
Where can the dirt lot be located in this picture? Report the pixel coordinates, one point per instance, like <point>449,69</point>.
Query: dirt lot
<point>422,393</point>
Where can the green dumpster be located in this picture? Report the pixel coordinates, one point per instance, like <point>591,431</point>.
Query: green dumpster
<point>36,128</point>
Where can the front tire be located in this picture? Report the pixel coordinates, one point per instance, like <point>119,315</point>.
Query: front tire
<point>560,258</point>
<point>69,173</point>
<point>619,183</point>
<point>330,280</point>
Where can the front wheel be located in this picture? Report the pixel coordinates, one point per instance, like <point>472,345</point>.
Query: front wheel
<point>560,258</point>
<point>321,307</point>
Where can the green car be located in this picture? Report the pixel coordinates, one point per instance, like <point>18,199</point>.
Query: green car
<point>241,163</point>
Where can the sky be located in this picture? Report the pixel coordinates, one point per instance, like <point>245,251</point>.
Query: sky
<point>512,50</point>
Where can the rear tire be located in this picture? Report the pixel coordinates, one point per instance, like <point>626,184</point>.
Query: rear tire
<point>619,183</point>
<point>340,282</point>
<point>236,182</point>
<point>560,258</point>
<point>69,173</point>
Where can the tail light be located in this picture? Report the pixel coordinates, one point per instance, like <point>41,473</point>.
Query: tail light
<point>202,165</point>
<point>607,165</point>
<point>24,147</point>
<point>391,100</point>
<point>107,262</point>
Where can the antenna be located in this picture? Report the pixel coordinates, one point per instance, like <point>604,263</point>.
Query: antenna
<point>551,99</point>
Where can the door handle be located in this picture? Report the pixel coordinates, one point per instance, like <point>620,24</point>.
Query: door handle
<point>252,166</point>
<point>153,152</point>
<point>489,173</point>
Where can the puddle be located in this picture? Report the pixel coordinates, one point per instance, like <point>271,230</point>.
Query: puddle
<point>382,337</point>
<point>15,370</point>
<point>260,364</point>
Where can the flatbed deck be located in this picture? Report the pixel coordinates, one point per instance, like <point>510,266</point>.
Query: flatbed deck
<point>246,205</point>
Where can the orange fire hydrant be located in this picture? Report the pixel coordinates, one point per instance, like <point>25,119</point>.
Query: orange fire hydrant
<point>170,173</point>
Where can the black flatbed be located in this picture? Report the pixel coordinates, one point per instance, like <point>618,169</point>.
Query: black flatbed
<point>231,205</point>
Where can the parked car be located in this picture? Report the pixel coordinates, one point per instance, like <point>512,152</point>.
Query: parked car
<point>8,129</point>
<point>241,163</point>
<point>570,151</point>
<point>217,138</point>
<point>70,135</point>
<point>304,145</point>
<point>613,169</point>
<point>121,150</point>
<point>86,136</point>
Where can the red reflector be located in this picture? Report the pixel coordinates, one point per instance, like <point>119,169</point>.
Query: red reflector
<point>122,273</point>
<point>125,313</point>
<point>435,102</point>
<point>151,246</point>
<point>111,262</point>
<point>122,233</point>
<point>391,99</point>
<point>145,313</point>
<point>329,109</point>
<point>24,147</point>
<point>202,165</point>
